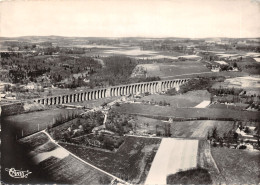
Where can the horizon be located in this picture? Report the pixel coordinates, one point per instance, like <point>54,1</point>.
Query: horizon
<point>121,37</point>
<point>145,18</point>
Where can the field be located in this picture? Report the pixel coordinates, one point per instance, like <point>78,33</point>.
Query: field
<point>25,124</point>
<point>57,165</point>
<point>237,106</point>
<point>237,166</point>
<point>189,99</point>
<point>228,74</point>
<point>137,53</point>
<point>173,69</point>
<point>131,162</point>
<point>173,155</point>
<point>246,83</point>
<point>206,162</point>
<point>71,171</point>
<point>213,113</point>
<point>184,129</point>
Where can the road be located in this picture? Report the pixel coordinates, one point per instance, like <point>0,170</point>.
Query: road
<point>172,156</point>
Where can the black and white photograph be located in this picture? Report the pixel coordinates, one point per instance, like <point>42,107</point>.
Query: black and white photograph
<point>130,92</point>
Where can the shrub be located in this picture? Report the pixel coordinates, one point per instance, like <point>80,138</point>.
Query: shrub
<point>242,147</point>
<point>194,176</point>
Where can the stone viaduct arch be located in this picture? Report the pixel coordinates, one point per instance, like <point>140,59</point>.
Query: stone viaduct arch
<point>122,90</point>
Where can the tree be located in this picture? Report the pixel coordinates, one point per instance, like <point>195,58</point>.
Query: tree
<point>49,93</point>
<point>208,136</point>
<point>156,127</point>
<point>247,130</point>
<point>104,104</point>
<point>108,143</point>
<point>215,133</point>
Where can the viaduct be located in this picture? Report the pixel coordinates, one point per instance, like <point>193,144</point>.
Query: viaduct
<point>121,90</point>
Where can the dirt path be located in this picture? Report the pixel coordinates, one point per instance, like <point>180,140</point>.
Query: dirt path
<point>173,155</point>
<point>202,129</point>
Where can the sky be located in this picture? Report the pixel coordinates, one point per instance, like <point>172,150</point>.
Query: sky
<point>131,18</point>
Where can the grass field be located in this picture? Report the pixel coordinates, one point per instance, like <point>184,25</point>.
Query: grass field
<point>34,141</point>
<point>246,83</point>
<point>185,129</point>
<point>131,162</point>
<point>213,113</point>
<point>28,123</point>
<point>189,99</point>
<point>237,166</point>
<point>228,74</point>
<point>175,68</point>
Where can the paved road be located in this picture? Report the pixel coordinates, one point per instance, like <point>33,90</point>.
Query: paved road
<point>173,155</point>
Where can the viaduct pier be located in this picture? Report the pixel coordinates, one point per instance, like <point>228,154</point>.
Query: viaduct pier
<point>121,90</point>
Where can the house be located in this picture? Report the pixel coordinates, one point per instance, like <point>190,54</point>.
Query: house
<point>31,86</point>
<point>2,96</point>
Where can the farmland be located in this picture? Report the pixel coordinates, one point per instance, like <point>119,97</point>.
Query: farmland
<point>183,129</point>
<point>131,162</point>
<point>213,113</point>
<point>173,155</point>
<point>173,69</point>
<point>60,167</point>
<point>248,83</point>
<point>144,137</point>
<point>189,99</point>
<point>237,166</point>
<point>29,123</point>
<point>237,106</point>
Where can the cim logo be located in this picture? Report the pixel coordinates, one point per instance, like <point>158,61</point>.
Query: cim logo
<point>17,173</point>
